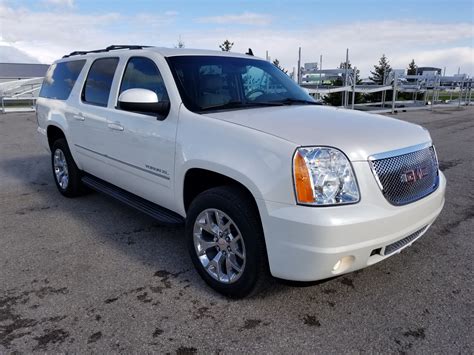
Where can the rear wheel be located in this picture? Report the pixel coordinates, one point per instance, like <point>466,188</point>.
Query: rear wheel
<point>66,173</point>
<point>225,241</point>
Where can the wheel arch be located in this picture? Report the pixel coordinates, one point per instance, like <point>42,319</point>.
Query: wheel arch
<point>54,133</point>
<point>197,180</point>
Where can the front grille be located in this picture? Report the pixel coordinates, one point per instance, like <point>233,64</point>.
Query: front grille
<point>392,248</point>
<point>408,177</point>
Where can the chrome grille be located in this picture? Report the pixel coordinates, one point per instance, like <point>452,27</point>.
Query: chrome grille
<point>392,248</point>
<point>406,177</point>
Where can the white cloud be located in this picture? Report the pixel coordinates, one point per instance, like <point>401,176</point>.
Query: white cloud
<point>246,18</point>
<point>63,3</point>
<point>171,13</point>
<point>428,43</point>
<point>49,35</point>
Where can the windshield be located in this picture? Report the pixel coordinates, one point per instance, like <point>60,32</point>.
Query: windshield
<point>211,83</point>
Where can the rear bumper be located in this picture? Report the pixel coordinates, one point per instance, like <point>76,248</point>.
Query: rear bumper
<point>307,244</point>
<point>42,138</point>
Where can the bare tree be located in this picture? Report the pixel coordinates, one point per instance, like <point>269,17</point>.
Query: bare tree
<point>276,63</point>
<point>226,45</point>
<point>180,43</point>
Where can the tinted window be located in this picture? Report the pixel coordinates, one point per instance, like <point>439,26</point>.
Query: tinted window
<point>97,88</point>
<point>60,79</point>
<point>215,82</point>
<point>142,73</point>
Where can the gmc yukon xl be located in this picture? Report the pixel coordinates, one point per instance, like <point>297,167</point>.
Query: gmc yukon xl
<point>266,181</point>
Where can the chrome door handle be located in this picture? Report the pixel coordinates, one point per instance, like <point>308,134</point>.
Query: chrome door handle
<point>79,117</point>
<point>115,126</point>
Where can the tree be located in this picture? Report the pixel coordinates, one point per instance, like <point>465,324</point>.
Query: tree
<point>411,70</point>
<point>226,46</point>
<point>335,99</point>
<point>381,71</point>
<point>276,63</point>
<point>379,76</point>
<point>180,43</point>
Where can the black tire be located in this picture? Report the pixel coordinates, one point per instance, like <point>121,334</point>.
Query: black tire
<point>236,204</point>
<point>74,186</point>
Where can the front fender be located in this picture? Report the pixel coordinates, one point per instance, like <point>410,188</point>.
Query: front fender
<point>259,161</point>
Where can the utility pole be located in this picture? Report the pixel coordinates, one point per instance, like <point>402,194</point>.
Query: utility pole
<point>299,66</point>
<point>345,96</point>
<point>394,94</point>
<point>354,87</point>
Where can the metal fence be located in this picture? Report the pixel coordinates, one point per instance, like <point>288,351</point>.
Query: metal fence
<point>19,95</point>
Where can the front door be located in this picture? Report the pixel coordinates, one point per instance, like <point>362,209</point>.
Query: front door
<point>141,147</point>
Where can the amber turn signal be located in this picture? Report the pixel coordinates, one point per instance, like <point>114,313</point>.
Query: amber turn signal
<point>304,191</point>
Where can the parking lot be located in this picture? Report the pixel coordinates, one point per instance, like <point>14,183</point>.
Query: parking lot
<point>91,275</point>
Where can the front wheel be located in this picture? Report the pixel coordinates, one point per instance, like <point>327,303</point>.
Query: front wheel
<point>225,241</point>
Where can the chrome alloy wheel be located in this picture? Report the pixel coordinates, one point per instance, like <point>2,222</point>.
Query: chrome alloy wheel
<point>60,169</point>
<point>219,245</point>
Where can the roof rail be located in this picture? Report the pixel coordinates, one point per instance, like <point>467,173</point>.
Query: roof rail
<point>109,48</point>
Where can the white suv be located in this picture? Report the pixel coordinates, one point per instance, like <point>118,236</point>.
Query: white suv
<point>265,180</point>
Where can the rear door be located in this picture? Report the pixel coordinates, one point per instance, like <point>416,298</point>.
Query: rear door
<point>89,123</point>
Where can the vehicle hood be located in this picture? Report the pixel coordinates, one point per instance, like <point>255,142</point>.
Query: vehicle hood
<point>357,134</point>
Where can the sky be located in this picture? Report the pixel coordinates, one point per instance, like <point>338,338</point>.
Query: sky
<point>436,33</point>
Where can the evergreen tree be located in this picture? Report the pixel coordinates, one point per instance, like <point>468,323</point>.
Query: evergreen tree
<point>381,71</point>
<point>411,70</point>
<point>226,46</point>
<point>335,99</point>
<point>276,63</point>
<point>379,76</point>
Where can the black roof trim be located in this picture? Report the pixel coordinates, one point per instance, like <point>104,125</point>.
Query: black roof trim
<point>107,49</point>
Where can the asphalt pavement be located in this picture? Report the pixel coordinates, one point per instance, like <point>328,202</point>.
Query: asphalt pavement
<point>89,275</point>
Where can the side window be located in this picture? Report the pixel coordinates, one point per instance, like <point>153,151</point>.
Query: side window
<point>60,79</point>
<point>142,73</point>
<point>99,80</point>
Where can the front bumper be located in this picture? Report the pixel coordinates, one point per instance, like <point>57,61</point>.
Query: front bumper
<point>314,243</point>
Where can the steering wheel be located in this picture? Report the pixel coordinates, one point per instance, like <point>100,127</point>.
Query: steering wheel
<point>253,92</point>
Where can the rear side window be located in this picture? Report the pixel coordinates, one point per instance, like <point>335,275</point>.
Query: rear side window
<point>142,73</point>
<point>60,79</point>
<point>99,80</point>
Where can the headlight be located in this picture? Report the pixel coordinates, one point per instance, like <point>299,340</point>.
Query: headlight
<point>323,176</point>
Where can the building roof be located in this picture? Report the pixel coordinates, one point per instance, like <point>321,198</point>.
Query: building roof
<point>22,70</point>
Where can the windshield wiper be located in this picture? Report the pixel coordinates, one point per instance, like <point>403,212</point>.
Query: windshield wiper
<point>291,101</point>
<point>240,104</point>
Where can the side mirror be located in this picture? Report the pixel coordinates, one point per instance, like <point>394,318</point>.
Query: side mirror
<point>143,101</point>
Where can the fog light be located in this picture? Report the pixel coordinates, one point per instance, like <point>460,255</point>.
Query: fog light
<point>343,264</point>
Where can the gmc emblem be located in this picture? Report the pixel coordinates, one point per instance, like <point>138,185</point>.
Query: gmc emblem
<point>414,175</point>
